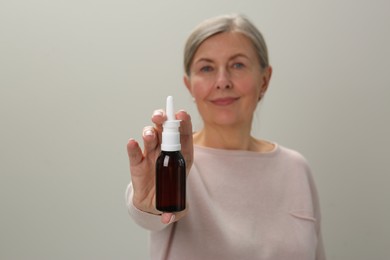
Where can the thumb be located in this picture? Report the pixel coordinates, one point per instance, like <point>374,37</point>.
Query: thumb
<point>167,218</point>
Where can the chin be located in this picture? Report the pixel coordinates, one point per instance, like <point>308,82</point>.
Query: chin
<point>225,120</point>
<point>222,118</point>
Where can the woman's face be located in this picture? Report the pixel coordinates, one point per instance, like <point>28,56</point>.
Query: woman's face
<point>226,80</point>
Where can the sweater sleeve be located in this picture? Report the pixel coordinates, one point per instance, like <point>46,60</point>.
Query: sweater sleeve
<point>144,219</point>
<point>320,252</point>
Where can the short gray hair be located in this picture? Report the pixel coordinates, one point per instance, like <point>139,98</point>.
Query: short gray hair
<point>220,24</point>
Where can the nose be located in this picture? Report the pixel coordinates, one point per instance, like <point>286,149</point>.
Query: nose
<point>223,80</point>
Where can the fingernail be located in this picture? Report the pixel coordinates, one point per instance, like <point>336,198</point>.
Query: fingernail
<point>157,113</point>
<point>172,219</point>
<point>148,133</point>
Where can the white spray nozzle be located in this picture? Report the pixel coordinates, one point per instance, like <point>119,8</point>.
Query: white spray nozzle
<point>169,109</point>
<point>170,134</point>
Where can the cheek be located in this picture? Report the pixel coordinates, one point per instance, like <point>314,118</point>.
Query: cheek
<point>250,86</point>
<point>199,87</point>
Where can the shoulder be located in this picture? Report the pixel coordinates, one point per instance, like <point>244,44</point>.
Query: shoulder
<point>291,154</point>
<point>294,159</point>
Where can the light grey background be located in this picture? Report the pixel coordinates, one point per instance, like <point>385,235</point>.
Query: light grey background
<point>78,78</point>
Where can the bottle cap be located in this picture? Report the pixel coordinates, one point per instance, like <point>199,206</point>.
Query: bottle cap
<point>170,134</point>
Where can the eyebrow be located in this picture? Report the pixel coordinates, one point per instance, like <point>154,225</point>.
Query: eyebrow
<point>231,58</point>
<point>203,60</point>
<point>238,55</point>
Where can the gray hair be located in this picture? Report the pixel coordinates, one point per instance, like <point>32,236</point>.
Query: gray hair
<point>220,24</point>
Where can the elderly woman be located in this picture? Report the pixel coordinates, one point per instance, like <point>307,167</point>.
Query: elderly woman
<point>247,198</point>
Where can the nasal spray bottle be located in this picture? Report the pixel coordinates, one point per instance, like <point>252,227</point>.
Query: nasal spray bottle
<point>170,166</point>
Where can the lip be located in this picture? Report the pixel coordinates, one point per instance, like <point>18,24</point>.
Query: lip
<point>224,101</point>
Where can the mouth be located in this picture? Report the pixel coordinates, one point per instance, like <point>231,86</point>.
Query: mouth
<point>224,101</point>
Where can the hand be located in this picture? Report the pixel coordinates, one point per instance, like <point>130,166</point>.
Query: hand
<point>143,163</point>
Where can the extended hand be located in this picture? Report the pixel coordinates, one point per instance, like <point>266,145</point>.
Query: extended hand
<point>143,163</point>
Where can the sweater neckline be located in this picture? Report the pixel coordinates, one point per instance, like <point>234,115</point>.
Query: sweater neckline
<point>225,152</point>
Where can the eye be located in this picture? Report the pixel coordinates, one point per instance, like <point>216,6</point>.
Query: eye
<point>238,65</point>
<point>206,68</point>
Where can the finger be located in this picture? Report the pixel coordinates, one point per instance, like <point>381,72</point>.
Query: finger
<point>167,218</point>
<point>186,136</point>
<point>185,123</point>
<point>134,152</point>
<point>150,140</point>
<point>158,118</point>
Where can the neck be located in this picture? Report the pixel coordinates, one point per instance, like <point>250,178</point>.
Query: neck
<point>226,138</point>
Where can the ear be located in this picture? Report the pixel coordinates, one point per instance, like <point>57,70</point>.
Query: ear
<point>186,80</point>
<point>266,78</point>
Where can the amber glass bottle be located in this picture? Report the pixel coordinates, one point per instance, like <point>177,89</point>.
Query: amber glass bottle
<point>170,182</point>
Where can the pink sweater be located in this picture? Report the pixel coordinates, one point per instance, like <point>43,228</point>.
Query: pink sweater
<point>241,205</point>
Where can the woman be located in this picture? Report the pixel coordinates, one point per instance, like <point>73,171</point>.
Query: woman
<point>247,198</point>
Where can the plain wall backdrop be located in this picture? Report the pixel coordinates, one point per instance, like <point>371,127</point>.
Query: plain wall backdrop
<point>79,78</point>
